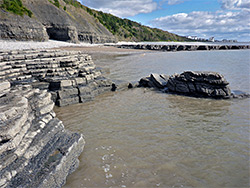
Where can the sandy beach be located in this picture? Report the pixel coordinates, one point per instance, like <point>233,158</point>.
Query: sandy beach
<point>52,44</point>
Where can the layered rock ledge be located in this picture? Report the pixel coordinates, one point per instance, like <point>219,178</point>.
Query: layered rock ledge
<point>192,83</point>
<point>35,149</point>
<point>70,76</point>
<point>184,47</point>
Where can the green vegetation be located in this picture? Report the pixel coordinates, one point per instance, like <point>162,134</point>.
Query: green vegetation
<point>129,30</point>
<point>55,2</point>
<point>124,29</point>
<point>16,7</point>
<point>75,3</point>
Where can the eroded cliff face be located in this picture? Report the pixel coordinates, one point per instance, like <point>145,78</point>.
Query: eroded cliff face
<point>21,28</point>
<point>50,22</point>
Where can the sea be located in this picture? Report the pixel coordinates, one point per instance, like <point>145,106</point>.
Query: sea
<point>145,138</point>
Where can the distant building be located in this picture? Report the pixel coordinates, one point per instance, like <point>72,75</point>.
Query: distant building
<point>192,37</point>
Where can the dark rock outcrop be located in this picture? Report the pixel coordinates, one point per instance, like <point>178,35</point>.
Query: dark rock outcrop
<point>154,80</point>
<point>192,83</point>
<point>174,48</point>
<point>204,84</point>
<point>158,80</point>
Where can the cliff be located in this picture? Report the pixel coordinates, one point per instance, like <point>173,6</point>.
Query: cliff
<point>49,21</point>
<point>68,20</point>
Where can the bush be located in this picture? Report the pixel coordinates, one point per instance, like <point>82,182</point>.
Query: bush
<point>56,3</point>
<point>75,3</point>
<point>16,7</point>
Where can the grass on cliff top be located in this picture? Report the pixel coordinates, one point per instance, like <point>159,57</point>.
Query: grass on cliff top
<point>55,2</point>
<point>74,3</point>
<point>16,7</point>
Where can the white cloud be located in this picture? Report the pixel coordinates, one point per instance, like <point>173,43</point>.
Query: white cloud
<point>174,2</point>
<point>231,22</point>
<point>122,8</point>
<point>230,25</point>
<point>171,2</point>
<point>235,4</point>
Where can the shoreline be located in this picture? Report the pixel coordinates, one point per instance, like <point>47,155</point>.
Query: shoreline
<point>6,45</point>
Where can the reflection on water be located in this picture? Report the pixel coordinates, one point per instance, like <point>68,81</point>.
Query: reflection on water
<point>142,138</point>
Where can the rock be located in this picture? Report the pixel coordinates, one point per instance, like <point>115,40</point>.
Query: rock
<point>56,85</point>
<point>21,28</point>
<point>154,80</point>
<point>114,87</point>
<point>130,86</point>
<point>144,82</point>
<point>202,84</point>
<point>175,48</point>
<point>4,88</point>
<point>66,93</point>
<point>236,94</point>
<point>67,101</point>
<point>193,83</point>
<point>35,149</point>
<point>63,73</point>
<point>158,81</point>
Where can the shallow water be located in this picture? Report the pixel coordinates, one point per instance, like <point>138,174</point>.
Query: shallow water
<point>143,138</point>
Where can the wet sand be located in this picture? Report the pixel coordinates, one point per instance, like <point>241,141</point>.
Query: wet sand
<point>102,49</point>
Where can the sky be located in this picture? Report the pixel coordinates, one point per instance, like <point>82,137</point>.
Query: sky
<point>222,19</point>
